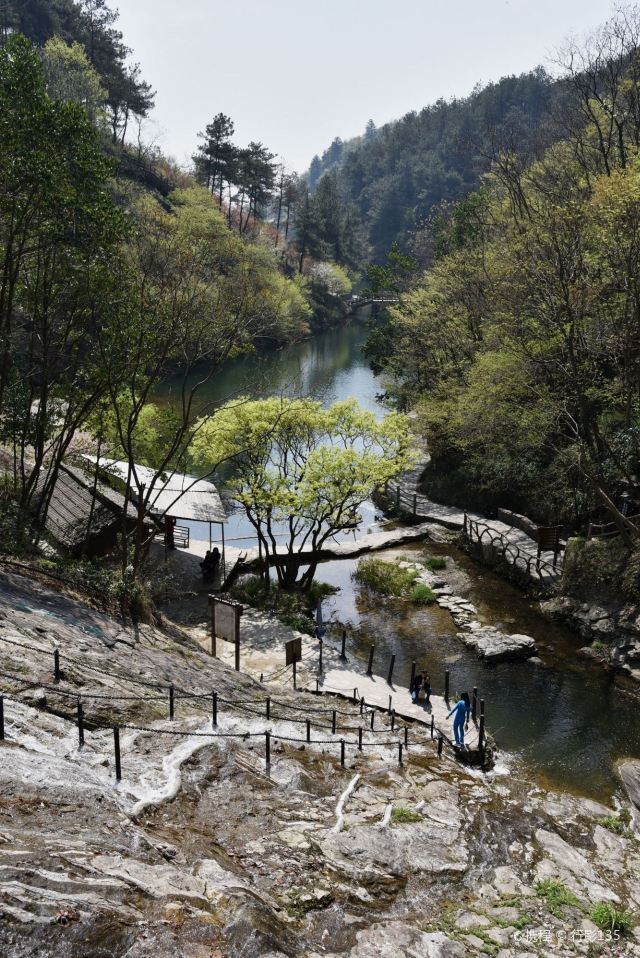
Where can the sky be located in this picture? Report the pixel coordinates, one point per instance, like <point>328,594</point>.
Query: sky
<point>294,74</point>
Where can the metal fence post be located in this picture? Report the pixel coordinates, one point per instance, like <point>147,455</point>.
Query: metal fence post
<point>446,685</point>
<point>391,665</point>
<point>80,724</point>
<point>116,747</point>
<point>214,709</point>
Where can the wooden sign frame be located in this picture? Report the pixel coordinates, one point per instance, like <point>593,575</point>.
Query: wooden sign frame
<point>293,654</point>
<point>237,610</point>
<point>293,651</point>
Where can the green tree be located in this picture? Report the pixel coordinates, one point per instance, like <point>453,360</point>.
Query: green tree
<point>70,77</point>
<point>197,295</point>
<point>302,472</point>
<point>60,271</point>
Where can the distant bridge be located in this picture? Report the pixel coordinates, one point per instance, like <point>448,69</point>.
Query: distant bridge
<point>358,301</point>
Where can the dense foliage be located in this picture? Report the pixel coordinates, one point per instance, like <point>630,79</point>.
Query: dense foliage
<point>395,177</point>
<point>105,292</point>
<point>302,472</point>
<point>523,338</point>
<point>92,25</point>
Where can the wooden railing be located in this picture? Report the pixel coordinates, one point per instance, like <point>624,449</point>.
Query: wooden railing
<point>181,537</point>
<point>531,564</point>
<point>604,530</point>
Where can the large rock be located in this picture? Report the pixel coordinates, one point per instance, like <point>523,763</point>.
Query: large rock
<point>495,646</point>
<point>629,772</point>
<point>395,852</point>
<point>569,864</point>
<point>398,940</point>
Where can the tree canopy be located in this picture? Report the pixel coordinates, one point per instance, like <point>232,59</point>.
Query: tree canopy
<point>300,471</point>
<point>522,339</point>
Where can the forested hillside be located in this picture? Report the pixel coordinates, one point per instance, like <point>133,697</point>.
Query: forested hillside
<point>396,175</point>
<point>108,284</point>
<point>520,345</point>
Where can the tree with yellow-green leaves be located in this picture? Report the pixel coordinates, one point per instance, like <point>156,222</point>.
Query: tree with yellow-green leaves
<point>70,77</point>
<point>520,346</point>
<point>302,472</point>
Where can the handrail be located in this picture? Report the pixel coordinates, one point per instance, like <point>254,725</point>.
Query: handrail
<point>511,552</point>
<point>612,528</point>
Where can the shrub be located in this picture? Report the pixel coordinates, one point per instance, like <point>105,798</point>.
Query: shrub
<point>404,816</point>
<point>615,823</point>
<point>421,594</point>
<point>387,578</point>
<point>436,563</point>
<point>556,894</point>
<point>609,918</point>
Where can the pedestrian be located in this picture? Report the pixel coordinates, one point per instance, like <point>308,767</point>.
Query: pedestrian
<point>426,685</point>
<point>169,526</point>
<point>461,712</point>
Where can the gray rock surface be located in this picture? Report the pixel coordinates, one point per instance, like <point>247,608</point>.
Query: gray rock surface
<point>630,774</point>
<point>396,940</point>
<point>496,646</point>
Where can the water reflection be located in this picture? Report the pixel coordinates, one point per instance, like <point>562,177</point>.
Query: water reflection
<point>328,367</point>
<point>564,719</point>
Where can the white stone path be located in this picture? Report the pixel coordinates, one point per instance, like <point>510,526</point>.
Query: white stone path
<point>376,691</point>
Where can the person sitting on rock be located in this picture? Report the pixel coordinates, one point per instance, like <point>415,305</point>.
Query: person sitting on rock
<point>421,691</point>
<point>210,565</point>
<point>461,712</point>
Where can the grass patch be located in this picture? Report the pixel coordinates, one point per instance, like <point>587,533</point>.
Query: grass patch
<point>609,918</point>
<point>295,609</point>
<point>401,815</point>
<point>386,578</point>
<point>421,594</point>
<point>557,896</point>
<point>436,563</point>
<point>619,824</point>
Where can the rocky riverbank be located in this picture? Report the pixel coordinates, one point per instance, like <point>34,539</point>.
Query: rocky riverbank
<point>203,851</point>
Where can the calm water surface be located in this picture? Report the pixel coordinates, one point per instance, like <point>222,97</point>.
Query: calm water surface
<point>565,722</point>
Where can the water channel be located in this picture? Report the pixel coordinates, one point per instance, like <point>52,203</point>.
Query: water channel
<point>565,722</point>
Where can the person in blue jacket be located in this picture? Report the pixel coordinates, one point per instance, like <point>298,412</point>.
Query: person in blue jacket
<point>461,712</point>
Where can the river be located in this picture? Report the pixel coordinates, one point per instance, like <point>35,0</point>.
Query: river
<point>565,722</point>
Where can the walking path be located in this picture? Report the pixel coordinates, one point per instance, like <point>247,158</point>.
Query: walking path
<point>376,691</point>
<point>514,545</point>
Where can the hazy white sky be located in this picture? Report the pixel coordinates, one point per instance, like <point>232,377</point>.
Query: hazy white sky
<point>295,74</point>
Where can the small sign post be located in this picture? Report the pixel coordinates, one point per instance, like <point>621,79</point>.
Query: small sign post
<point>225,624</point>
<point>293,653</point>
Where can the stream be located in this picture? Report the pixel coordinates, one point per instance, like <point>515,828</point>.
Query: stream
<point>564,722</point>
